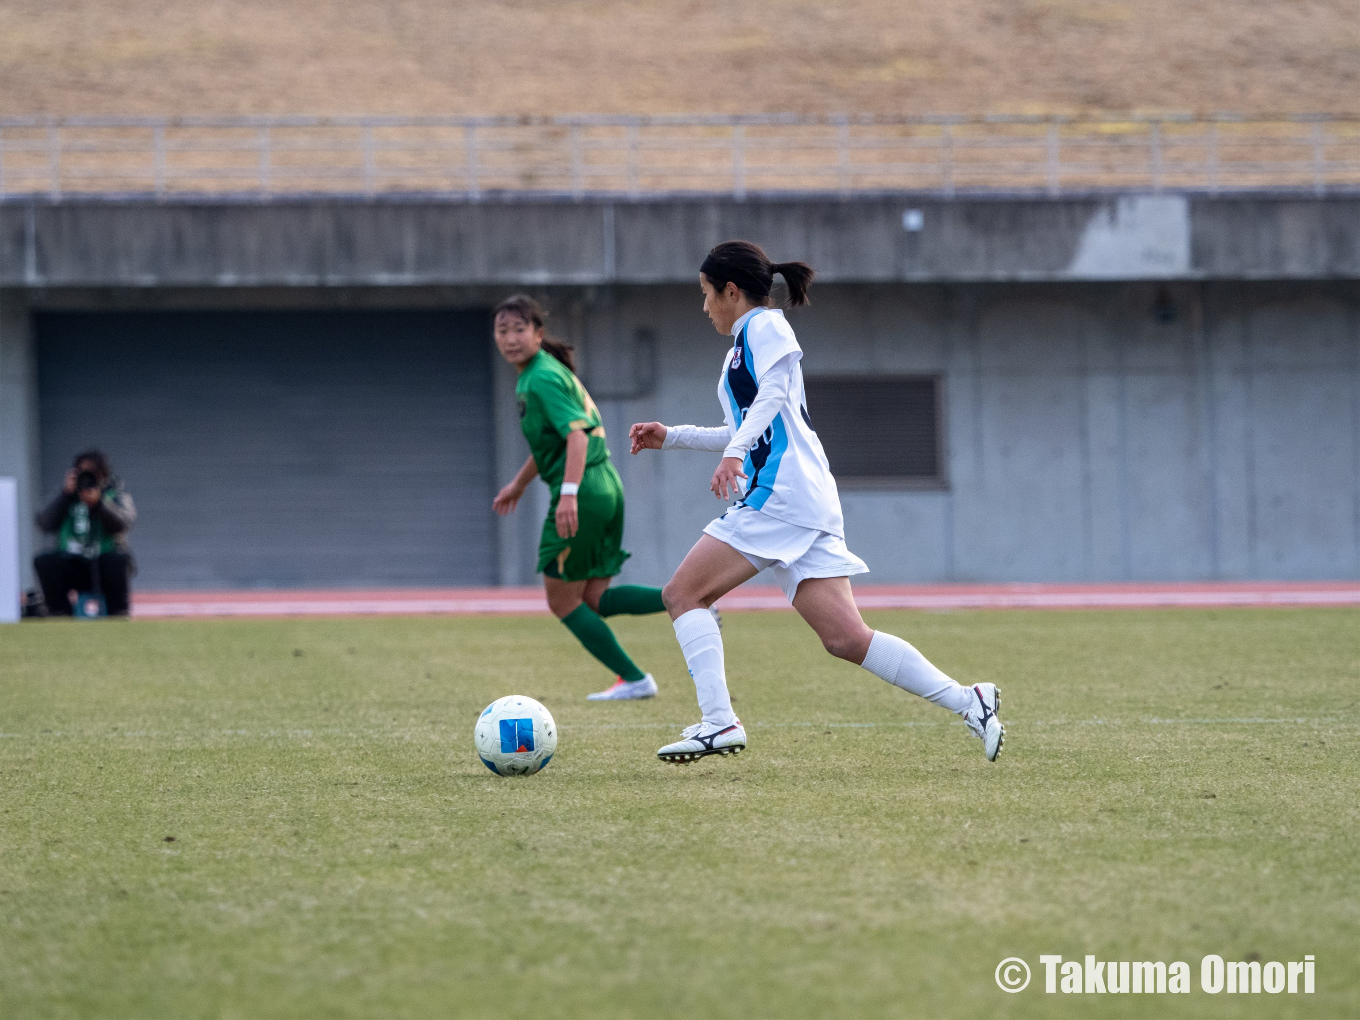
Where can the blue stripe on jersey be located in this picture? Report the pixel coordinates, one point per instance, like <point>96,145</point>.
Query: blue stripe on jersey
<point>747,466</point>
<point>757,496</point>
<point>740,382</point>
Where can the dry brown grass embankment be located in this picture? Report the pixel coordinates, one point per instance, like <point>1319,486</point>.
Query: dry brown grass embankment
<point>459,56</point>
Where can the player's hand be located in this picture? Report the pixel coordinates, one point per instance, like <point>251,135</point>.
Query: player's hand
<point>507,499</point>
<point>567,521</point>
<point>70,485</point>
<point>725,485</point>
<point>648,435</point>
<point>90,497</point>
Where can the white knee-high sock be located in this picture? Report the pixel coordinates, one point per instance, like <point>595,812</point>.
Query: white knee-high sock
<point>701,642</point>
<point>894,660</point>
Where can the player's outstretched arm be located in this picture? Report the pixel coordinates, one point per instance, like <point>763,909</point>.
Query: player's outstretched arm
<point>508,498</point>
<point>653,435</point>
<point>647,435</point>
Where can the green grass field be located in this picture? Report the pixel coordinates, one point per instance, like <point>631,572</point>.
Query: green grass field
<point>1174,784</point>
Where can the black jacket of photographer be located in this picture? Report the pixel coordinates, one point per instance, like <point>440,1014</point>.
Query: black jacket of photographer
<point>108,521</point>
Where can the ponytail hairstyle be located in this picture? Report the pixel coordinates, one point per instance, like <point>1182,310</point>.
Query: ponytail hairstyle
<point>746,265</point>
<point>523,307</point>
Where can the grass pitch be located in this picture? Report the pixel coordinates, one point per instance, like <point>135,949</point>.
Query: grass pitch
<point>286,818</point>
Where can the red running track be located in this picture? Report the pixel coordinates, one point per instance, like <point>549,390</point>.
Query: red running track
<point>505,601</point>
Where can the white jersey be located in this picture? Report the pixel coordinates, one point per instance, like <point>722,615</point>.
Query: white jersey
<point>788,477</point>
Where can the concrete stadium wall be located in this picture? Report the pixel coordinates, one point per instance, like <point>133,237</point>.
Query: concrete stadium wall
<point>19,411</point>
<point>1086,439</point>
<point>413,242</point>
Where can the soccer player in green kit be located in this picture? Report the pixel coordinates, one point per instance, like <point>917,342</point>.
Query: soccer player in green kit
<point>581,547</point>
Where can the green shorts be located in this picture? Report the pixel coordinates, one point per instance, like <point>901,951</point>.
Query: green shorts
<point>596,550</point>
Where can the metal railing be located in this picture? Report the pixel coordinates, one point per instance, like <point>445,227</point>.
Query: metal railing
<point>636,155</point>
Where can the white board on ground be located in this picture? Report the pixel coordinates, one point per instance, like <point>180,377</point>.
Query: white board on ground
<point>9,551</point>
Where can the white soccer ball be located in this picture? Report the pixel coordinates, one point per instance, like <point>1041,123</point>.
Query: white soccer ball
<point>515,736</point>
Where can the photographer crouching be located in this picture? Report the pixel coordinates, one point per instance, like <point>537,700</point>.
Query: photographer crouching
<point>90,517</point>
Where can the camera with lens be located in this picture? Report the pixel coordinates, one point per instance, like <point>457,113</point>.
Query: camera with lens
<point>86,480</point>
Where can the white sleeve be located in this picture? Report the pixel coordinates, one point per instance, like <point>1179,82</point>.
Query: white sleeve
<point>774,389</point>
<point>696,437</point>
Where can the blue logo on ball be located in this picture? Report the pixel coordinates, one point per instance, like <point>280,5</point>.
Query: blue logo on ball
<point>517,735</point>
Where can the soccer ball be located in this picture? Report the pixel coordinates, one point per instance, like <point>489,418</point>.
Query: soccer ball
<point>515,736</point>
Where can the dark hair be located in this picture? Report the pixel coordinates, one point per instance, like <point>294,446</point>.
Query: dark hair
<point>746,265</point>
<point>524,307</point>
<point>97,458</point>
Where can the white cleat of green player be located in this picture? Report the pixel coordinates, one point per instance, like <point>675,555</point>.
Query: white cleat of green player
<point>627,690</point>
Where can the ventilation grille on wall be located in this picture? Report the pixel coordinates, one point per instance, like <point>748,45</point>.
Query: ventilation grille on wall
<point>879,431</point>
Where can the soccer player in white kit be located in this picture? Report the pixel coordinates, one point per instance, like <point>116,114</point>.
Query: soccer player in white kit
<point>787,516</point>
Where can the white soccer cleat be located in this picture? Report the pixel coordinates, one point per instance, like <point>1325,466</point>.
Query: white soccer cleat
<point>695,743</point>
<point>983,719</point>
<point>627,690</point>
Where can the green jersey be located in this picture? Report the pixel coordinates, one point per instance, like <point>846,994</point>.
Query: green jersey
<point>552,405</point>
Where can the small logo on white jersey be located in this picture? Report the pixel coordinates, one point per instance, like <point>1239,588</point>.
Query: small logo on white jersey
<point>736,356</point>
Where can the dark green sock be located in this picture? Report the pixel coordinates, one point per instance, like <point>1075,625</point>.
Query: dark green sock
<point>632,600</point>
<point>600,641</point>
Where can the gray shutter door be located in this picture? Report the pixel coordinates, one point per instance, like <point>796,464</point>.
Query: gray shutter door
<point>283,449</point>
<point>878,427</point>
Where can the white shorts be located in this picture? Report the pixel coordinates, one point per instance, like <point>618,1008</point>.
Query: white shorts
<point>792,554</point>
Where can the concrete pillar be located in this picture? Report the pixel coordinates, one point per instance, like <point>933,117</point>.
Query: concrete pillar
<point>19,419</point>
<point>9,552</point>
